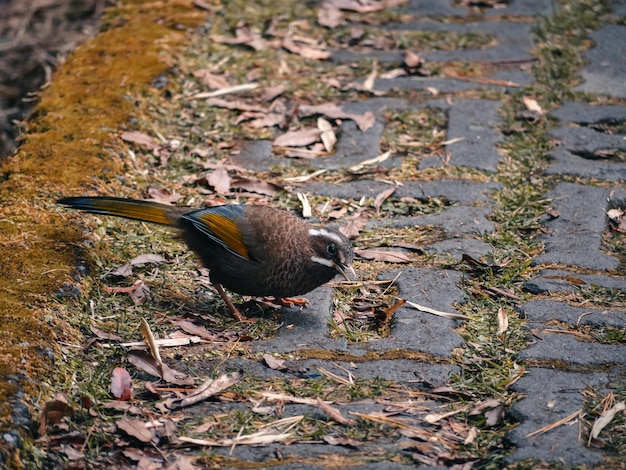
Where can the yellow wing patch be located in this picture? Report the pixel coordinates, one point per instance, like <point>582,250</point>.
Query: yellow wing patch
<point>226,230</point>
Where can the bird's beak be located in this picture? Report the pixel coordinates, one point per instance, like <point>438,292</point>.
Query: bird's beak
<point>342,270</point>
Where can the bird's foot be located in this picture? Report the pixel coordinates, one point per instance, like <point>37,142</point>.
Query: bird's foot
<point>292,301</point>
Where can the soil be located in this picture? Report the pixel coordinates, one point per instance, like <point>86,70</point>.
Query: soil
<point>35,38</point>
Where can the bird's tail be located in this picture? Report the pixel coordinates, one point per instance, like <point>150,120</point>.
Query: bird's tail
<point>128,208</point>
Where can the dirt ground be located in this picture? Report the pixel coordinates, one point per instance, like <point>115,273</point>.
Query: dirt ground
<point>35,37</point>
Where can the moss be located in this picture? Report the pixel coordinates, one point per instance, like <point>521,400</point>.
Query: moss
<point>71,138</point>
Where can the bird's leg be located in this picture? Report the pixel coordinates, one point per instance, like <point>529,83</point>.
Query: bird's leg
<point>231,306</point>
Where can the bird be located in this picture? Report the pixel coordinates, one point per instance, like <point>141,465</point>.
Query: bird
<point>249,249</point>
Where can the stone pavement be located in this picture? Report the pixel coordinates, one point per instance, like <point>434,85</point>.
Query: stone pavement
<point>560,367</point>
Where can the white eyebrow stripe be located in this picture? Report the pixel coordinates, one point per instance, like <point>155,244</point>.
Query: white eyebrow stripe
<point>324,261</point>
<point>316,232</point>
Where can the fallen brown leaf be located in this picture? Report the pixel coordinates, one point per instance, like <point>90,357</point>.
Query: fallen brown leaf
<point>303,50</point>
<point>299,138</point>
<point>363,121</point>
<point>388,256</point>
<point>136,428</point>
<point>121,384</point>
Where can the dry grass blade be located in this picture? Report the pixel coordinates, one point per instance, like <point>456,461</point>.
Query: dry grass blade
<point>334,414</point>
<point>372,161</point>
<point>226,91</point>
<point>335,377</point>
<point>263,437</point>
<point>575,415</point>
<point>273,396</point>
<point>452,316</point>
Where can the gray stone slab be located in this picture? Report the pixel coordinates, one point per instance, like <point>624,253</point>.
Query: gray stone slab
<point>575,236</point>
<point>564,347</point>
<point>619,7</point>
<point>504,79</point>
<point>584,140</point>
<point>551,395</point>
<point>607,69</point>
<point>455,248</point>
<point>567,163</point>
<point>419,331</point>
<point>462,191</point>
<point>432,8</point>
<point>353,146</point>
<point>526,8</point>
<point>257,155</point>
<point>305,328</point>
<point>456,221</point>
<point>544,310</point>
<point>583,113</point>
<point>554,280</point>
<point>475,123</point>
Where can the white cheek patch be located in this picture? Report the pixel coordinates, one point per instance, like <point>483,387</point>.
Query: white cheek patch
<point>317,232</point>
<point>324,261</point>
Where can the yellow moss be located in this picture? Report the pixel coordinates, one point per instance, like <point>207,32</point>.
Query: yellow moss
<point>69,144</point>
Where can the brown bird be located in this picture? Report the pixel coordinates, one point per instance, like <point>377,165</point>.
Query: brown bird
<point>248,249</point>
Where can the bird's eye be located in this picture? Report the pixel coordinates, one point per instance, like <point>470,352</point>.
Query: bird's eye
<point>331,249</point>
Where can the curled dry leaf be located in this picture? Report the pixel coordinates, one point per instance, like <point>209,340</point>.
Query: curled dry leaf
<point>121,384</point>
<point>363,121</point>
<point>299,138</point>
<point>503,321</point>
<point>327,134</point>
<point>54,411</point>
<point>206,390</point>
<point>355,224</point>
<point>163,195</point>
<point>364,7</point>
<point>303,50</point>
<point>146,362</point>
<point>387,256</point>
<point>219,180</point>
<point>273,362</point>
<point>126,269</point>
<point>255,185</point>
<point>329,16</point>
<point>382,197</point>
<point>211,80</point>
<point>140,138</point>
<point>602,421</point>
<point>243,36</point>
<point>136,428</point>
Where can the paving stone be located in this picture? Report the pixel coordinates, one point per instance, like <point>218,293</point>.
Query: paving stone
<point>462,191</point>
<point>567,163</point>
<point>585,114</point>
<point>619,7</point>
<point>607,69</point>
<point>564,347</point>
<point>257,155</point>
<point>554,280</point>
<point>419,331</point>
<point>584,140</point>
<point>575,236</point>
<point>455,248</point>
<point>551,396</point>
<point>577,153</point>
<point>305,328</point>
<point>474,123</point>
<point>543,310</point>
<point>499,80</point>
<point>353,146</point>
<point>433,8</point>
<point>526,7</point>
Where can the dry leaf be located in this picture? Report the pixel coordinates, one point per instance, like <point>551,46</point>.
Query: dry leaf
<point>255,185</point>
<point>194,329</point>
<point>206,390</point>
<point>532,105</point>
<point>303,50</point>
<point>364,7</point>
<point>329,139</point>
<point>163,196</point>
<point>503,321</point>
<point>211,80</point>
<point>273,362</point>
<point>219,180</point>
<point>121,384</point>
<point>126,269</point>
<point>300,138</point>
<point>237,105</point>
<point>273,92</point>
<point>388,256</point>
<point>54,411</point>
<point>137,429</point>
<point>355,224</point>
<point>329,16</point>
<point>140,138</point>
<point>363,121</point>
<point>306,205</point>
<point>243,36</point>
<point>602,421</point>
<point>382,197</point>
<point>341,441</point>
<point>453,316</point>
